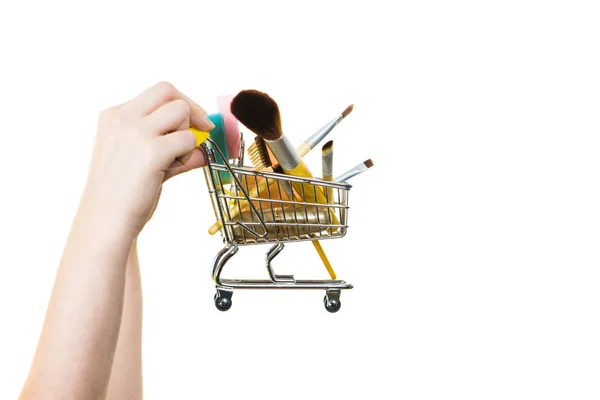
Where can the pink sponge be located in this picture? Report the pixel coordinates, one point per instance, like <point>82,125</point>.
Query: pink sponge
<point>230,124</point>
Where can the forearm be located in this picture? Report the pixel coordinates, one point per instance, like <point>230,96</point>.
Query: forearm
<point>135,150</point>
<point>126,377</point>
<point>77,345</point>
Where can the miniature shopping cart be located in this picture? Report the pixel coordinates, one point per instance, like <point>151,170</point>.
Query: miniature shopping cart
<point>267,208</point>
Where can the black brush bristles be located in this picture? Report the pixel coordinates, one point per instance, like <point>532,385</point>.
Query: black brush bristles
<point>258,112</point>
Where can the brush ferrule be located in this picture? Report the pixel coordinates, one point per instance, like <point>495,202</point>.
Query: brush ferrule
<point>324,131</point>
<point>284,152</point>
<point>353,172</point>
<point>328,163</point>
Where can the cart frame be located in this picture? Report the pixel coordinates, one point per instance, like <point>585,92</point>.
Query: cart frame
<point>259,221</point>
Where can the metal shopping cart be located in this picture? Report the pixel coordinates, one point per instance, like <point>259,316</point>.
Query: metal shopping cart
<point>267,208</point>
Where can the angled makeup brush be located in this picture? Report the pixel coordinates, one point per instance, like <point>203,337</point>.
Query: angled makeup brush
<point>327,158</point>
<point>360,168</point>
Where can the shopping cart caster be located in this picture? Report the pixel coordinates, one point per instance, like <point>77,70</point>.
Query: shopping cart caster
<point>223,300</point>
<point>332,300</point>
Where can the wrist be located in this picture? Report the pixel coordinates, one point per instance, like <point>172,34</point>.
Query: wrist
<point>102,223</point>
<point>97,242</point>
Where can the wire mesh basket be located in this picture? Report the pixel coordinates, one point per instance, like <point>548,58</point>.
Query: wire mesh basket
<point>260,207</point>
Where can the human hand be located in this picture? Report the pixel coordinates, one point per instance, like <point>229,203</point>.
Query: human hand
<point>139,145</point>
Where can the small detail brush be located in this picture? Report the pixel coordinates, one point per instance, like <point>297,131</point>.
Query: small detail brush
<point>362,167</point>
<point>312,141</point>
<point>327,158</point>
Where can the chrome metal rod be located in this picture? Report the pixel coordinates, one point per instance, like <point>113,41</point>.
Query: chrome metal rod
<point>297,284</point>
<point>222,257</point>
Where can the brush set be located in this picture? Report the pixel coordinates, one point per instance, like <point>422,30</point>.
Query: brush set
<point>277,199</point>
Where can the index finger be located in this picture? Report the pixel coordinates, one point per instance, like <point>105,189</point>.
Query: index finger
<point>162,93</point>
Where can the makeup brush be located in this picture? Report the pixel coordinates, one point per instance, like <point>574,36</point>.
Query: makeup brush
<point>260,113</point>
<point>312,141</point>
<point>261,152</point>
<point>327,159</point>
<point>360,168</point>
<point>263,160</point>
<point>309,143</point>
<point>246,105</point>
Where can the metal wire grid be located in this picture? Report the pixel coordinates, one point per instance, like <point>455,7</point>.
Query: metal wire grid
<point>277,213</point>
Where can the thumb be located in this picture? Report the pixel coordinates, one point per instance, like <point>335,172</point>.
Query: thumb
<point>174,145</point>
<point>197,160</point>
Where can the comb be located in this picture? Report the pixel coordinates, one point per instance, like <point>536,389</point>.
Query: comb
<point>259,154</point>
<point>263,160</point>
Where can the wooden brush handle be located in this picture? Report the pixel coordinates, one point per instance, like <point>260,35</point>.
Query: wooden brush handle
<point>303,149</point>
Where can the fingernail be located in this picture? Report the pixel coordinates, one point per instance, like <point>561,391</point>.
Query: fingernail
<point>201,110</point>
<point>209,125</point>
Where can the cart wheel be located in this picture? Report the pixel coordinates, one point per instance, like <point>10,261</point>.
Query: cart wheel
<point>332,305</point>
<point>222,303</point>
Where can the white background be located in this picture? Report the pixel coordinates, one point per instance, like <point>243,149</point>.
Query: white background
<point>473,242</point>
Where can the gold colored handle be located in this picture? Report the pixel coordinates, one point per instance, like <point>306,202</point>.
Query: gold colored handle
<point>302,150</point>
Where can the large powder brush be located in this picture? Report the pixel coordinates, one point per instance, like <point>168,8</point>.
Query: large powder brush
<point>260,113</point>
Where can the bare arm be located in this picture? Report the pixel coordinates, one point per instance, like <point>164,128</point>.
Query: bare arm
<point>76,348</point>
<point>139,145</point>
<point>126,376</point>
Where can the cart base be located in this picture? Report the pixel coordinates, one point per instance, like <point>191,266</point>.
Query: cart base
<point>331,301</point>
<point>293,284</point>
<point>225,287</point>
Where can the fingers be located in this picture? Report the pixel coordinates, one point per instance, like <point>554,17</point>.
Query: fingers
<point>197,160</point>
<point>178,153</point>
<point>167,114</point>
<point>170,117</point>
<point>174,145</point>
<point>183,159</point>
<point>163,93</point>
